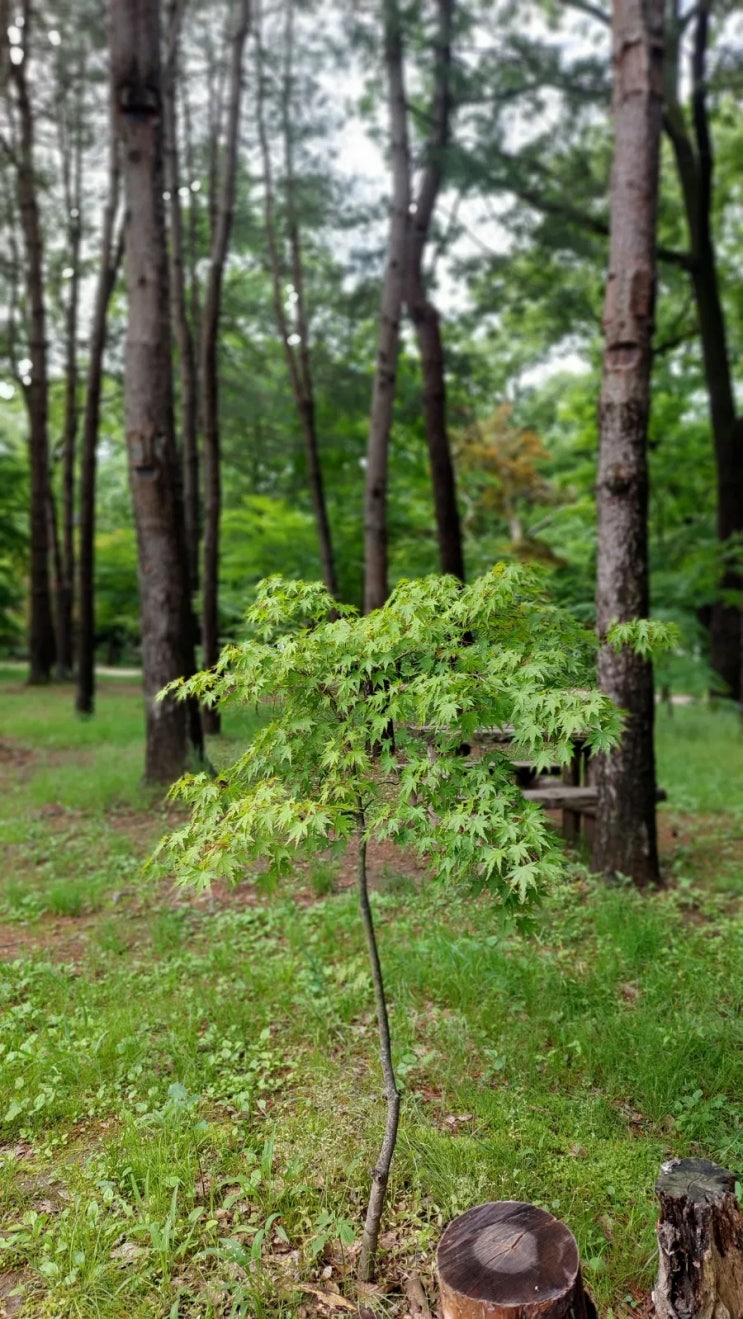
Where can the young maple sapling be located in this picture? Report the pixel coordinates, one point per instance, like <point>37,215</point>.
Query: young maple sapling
<point>367,719</point>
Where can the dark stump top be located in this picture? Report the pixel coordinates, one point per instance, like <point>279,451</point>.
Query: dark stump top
<point>697,1180</point>
<point>510,1253</point>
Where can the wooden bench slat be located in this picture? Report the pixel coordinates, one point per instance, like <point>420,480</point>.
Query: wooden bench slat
<point>562,797</point>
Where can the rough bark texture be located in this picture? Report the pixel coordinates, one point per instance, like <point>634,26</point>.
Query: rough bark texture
<point>700,1243</point>
<point>383,392</point>
<point>148,400</point>
<point>695,164</point>
<point>189,403</point>
<point>41,628</point>
<point>510,1260</point>
<point>625,839</point>
<point>298,358</point>
<point>111,254</point>
<point>381,1170</point>
<point>425,316</point>
<point>209,371</point>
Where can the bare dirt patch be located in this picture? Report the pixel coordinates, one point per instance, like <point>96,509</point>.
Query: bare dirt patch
<point>13,1285</point>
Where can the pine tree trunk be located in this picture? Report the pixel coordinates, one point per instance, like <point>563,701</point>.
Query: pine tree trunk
<point>383,393</point>
<point>181,324</point>
<point>306,399</point>
<point>426,318</point>
<point>298,360</point>
<point>148,400</point>
<point>41,628</point>
<point>625,837</point>
<point>73,205</point>
<point>209,372</point>
<point>110,261</point>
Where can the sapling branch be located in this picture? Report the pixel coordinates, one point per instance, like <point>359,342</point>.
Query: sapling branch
<point>381,1171</point>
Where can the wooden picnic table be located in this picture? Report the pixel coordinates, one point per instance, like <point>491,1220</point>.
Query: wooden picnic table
<point>564,788</point>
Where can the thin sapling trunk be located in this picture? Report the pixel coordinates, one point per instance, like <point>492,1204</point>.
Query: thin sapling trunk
<point>381,1171</point>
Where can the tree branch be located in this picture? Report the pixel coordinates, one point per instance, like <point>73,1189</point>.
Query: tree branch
<point>588,223</point>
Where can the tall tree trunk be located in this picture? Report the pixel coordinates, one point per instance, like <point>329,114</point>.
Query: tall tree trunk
<point>192,249</point>
<point>71,153</point>
<point>695,165</point>
<point>56,562</point>
<point>298,358</point>
<point>181,323</point>
<point>383,392</point>
<point>209,370</point>
<point>425,316</point>
<point>625,838</point>
<point>167,641</point>
<point>110,260</point>
<point>41,629</point>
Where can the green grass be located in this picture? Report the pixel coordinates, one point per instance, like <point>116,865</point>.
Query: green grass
<point>189,1092</point>
<point>700,757</point>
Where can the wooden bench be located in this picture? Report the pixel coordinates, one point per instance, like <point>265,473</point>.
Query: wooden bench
<point>575,801</point>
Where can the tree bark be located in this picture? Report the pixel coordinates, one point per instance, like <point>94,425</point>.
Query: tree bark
<point>425,316</point>
<point>695,165</point>
<point>167,642</point>
<point>72,181</point>
<point>383,392</point>
<point>625,840</point>
<point>110,261</point>
<point>41,628</point>
<point>189,405</point>
<point>192,250</point>
<point>381,1170</point>
<point>209,371</point>
<point>298,358</point>
<point>700,1242</point>
<point>508,1258</point>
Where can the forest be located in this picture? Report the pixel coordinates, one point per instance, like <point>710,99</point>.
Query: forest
<point>371,575</point>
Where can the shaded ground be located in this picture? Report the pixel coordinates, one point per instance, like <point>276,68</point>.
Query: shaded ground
<point>707,845</point>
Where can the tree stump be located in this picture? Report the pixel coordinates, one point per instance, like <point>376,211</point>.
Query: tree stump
<point>510,1260</point>
<point>700,1242</point>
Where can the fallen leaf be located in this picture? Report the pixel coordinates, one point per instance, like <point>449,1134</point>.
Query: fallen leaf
<point>419,1308</point>
<point>328,1298</point>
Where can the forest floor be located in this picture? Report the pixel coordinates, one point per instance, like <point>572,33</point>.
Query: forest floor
<point>189,1090</point>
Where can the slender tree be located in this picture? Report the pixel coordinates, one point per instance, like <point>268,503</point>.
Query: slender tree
<point>295,331</point>
<point>110,261</point>
<point>225,205</point>
<point>424,314</point>
<point>41,628</point>
<point>625,836</point>
<point>393,291</point>
<point>183,332</point>
<point>70,130</point>
<point>167,639</point>
<point>694,154</point>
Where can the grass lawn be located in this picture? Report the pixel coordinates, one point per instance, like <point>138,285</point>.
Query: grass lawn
<point>190,1099</point>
